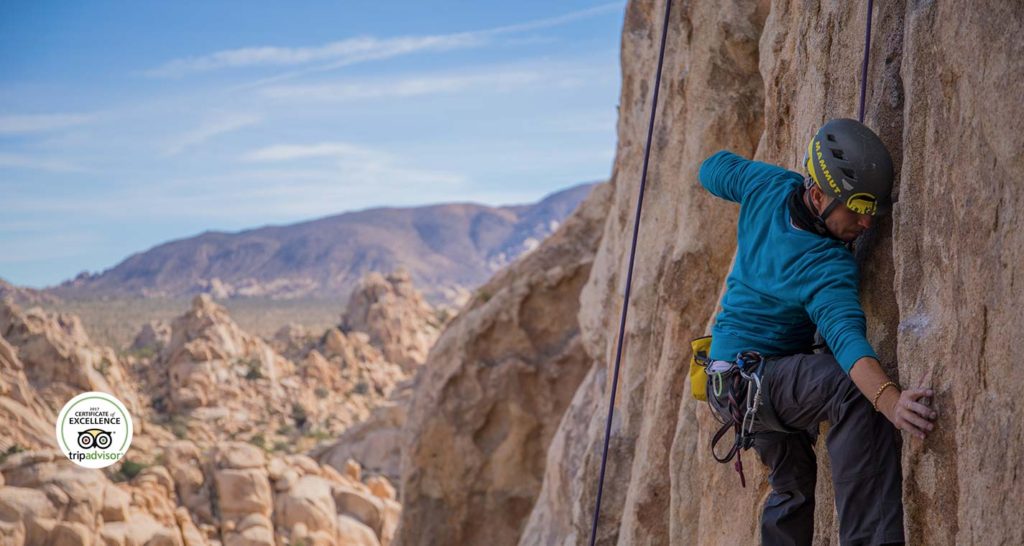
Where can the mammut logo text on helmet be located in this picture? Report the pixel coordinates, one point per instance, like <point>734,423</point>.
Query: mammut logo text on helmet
<point>824,169</point>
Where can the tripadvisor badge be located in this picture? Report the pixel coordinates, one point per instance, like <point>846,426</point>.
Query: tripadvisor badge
<point>94,430</point>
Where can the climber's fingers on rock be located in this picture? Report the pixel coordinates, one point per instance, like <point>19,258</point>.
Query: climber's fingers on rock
<point>920,409</point>
<point>916,393</point>
<point>907,420</point>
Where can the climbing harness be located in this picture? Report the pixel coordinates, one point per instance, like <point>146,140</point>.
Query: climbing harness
<point>629,273</point>
<point>740,380</point>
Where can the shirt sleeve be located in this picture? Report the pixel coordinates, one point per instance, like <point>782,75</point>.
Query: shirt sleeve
<point>729,176</point>
<point>834,307</point>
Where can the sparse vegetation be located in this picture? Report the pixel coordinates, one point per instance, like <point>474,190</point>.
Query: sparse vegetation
<point>103,367</point>
<point>255,367</point>
<point>299,415</point>
<point>321,392</point>
<point>259,441</point>
<point>179,427</point>
<point>361,387</point>
<point>115,322</point>
<point>15,448</point>
<point>319,434</point>
<point>144,353</point>
<point>130,468</point>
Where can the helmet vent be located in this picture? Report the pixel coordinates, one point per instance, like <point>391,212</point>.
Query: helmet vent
<point>849,173</point>
<point>838,154</point>
<point>830,137</point>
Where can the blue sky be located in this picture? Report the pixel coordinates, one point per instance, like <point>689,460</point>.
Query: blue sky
<point>127,124</point>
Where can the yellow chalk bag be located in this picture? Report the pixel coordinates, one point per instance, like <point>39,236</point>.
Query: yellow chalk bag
<point>699,360</point>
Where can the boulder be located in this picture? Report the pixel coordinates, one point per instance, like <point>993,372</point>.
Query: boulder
<point>400,323</point>
<point>308,502</point>
<point>351,532</point>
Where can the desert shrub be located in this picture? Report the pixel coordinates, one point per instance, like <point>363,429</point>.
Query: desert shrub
<point>255,369</point>
<point>103,367</point>
<point>299,415</point>
<point>130,468</point>
<point>15,448</point>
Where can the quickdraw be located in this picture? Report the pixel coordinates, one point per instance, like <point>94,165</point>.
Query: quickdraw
<point>745,371</point>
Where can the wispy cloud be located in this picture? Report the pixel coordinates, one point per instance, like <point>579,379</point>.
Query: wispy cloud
<point>360,49</point>
<point>340,53</point>
<point>37,123</point>
<point>289,152</point>
<point>209,130</point>
<point>405,87</point>
<point>18,161</point>
<point>351,170</point>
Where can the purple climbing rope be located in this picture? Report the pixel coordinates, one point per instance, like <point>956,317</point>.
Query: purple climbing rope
<point>629,275</point>
<point>864,65</point>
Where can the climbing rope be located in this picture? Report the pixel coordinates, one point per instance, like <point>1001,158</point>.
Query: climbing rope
<point>864,65</point>
<point>629,275</point>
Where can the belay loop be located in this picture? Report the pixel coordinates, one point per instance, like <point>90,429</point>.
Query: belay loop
<point>629,274</point>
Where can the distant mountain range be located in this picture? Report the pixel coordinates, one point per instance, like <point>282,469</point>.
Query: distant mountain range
<point>447,249</point>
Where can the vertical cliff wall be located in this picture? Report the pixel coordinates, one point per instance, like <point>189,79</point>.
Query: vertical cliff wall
<point>939,276</point>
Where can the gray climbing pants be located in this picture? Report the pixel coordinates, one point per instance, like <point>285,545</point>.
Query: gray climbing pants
<point>863,447</point>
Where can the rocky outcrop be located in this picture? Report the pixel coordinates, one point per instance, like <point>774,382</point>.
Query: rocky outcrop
<point>152,337</point>
<point>231,494</point>
<point>396,317</point>
<point>487,402</point>
<point>60,361</point>
<point>214,381</point>
<point>25,296</point>
<point>375,443</point>
<point>27,421</point>
<point>49,500</point>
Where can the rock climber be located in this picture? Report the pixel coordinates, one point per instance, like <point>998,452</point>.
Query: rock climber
<point>793,274</point>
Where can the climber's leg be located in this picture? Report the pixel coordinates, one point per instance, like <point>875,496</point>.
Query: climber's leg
<point>864,449</point>
<point>788,515</point>
<point>805,390</point>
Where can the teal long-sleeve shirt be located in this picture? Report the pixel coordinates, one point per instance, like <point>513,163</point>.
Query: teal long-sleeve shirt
<point>785,280</point>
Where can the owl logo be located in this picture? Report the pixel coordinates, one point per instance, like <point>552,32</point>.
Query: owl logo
<point>95,437</point>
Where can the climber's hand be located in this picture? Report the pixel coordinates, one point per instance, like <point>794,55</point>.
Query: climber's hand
<point>909,412</point>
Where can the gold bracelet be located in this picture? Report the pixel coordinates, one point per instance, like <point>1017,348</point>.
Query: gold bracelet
<point>881,390</point>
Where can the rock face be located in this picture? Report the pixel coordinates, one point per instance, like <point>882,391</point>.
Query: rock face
<point>488,400</point>
<point>938,278</point>
<point>396,317</point>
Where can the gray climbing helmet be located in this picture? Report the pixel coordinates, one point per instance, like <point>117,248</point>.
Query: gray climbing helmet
<point>851,164</point>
